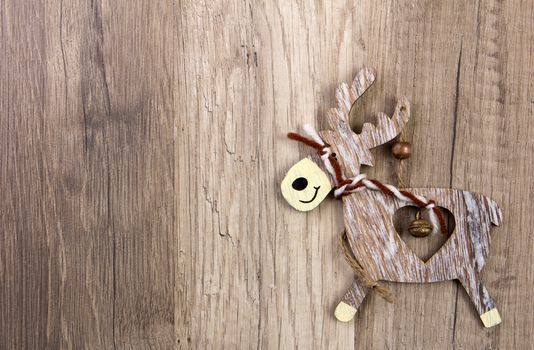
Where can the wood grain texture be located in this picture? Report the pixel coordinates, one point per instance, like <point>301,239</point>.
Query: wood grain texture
<point>161,223</point>
<point>87,242</point>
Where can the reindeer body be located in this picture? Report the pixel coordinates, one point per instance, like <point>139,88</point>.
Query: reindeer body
<point>385,256</point>
<point>369,214</point>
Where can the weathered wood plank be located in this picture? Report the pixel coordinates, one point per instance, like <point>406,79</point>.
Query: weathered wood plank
<point>137,44</point>
<point>88,157</point>
<point>410,61</point>
<point>220,177</point>
<point>297,68</point>
<point>494,151</point>
<point>143,143</point>
<point>58,243</point>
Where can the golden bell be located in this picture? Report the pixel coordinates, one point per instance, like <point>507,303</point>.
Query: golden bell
<point>419,227</point>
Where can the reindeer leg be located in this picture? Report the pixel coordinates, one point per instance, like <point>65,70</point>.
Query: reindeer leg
<point>347,307</point>
<point>480,298</point>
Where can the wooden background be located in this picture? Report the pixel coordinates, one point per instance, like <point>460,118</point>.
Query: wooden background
<point>142,146</point>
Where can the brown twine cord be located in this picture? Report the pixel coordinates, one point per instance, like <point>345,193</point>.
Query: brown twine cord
<point>305,140</point>
<point>362,276</point>
<point>401,168</point>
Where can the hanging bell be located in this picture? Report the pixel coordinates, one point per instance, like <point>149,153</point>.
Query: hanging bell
<point>420,227</point>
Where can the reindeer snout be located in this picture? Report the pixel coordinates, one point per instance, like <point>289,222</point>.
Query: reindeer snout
<point>305,185</point>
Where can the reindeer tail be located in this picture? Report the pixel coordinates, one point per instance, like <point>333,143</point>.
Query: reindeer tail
<point>494,211</point>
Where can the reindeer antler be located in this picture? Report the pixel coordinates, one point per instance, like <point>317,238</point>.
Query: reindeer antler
<point>387,128</point>
<point>353,149</point>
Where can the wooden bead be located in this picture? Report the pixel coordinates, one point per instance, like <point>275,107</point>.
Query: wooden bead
<point>402,150</point>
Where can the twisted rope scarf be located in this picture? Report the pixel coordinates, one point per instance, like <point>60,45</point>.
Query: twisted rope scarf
<point>360,182</point>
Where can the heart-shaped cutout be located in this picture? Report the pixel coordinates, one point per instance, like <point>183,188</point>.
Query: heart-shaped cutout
<point>423,247</point>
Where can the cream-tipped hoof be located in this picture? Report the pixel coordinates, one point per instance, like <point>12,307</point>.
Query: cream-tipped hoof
<point>344,312</point>
<point>491,318</point>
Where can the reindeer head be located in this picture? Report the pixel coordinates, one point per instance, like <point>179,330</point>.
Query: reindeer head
<point>307,184</point>
<point>351,149</point>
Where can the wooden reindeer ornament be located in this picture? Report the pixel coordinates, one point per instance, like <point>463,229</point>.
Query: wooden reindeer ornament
<point>369,206</point>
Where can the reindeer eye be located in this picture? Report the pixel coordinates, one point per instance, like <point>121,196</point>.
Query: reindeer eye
<point>299,184</point>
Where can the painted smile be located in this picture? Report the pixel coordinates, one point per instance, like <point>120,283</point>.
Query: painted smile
<point>314,195</point>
